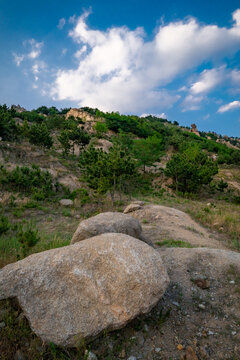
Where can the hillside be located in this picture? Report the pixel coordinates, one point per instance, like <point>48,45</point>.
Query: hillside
<point>59,167</point>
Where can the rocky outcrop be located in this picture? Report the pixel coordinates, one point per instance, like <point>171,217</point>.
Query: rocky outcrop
<point>79,113</point>
<point>75,292</point>
<point>88,119</point>
<point>109,222</point>
<point>104,144</point>
<point>161,222</point>
<point>132,207</point>
<point>194,129</point>
<point>18,108</point>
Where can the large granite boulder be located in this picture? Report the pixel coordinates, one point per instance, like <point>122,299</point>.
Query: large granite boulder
<point>109,222</point>
<point>75,292</point>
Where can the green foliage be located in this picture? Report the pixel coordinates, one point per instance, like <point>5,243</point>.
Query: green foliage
<point>28,237</point>
<point>147,151</point>
<point>28,180</point>
<point>40,135</point>
<point>55,122</point>
<point>190,169</point>
<point>124,141</point>
<point>9,130</point>
<point>4,225</point>
<point>222,185</point>
<point>126,123</point>
<point>100,128</point>
<point>106,171</point>
<point>174,243</point>
<point>72,134</point>
<point>47,111</point>
<point>64,140</point>
<point>81,194</point>
<point>31,116</point>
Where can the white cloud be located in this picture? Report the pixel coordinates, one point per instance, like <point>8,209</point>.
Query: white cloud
<point>33,53</point>
<point>208,80</point>
<point>72,19</point>
<point>120,70</point>
<point>18,59</point>
<point>36,48</point>
<point>80,52</point>
<point>207,116</point>
<point>64,51</point>
<point>37,69</point>
<point>61,23</point>
<point>235,77</point>
<point>231,106</point>
<point>192,103</point>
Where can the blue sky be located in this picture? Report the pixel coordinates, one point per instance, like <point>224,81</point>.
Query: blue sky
<point>178,59</point>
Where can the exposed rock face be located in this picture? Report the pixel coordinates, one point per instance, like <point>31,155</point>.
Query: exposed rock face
<point>104,144</point>
<point>88,119</point>
<point>84,115</point>
<point>132,207</point>
<point>109,222</point>
<point>162,222</point>
<point>194,129</point>
<point>18,108</point>
<point>76,292</point>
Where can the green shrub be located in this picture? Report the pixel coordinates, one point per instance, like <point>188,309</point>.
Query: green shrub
<point>4,225</point>
<point>28,237</point>
<point>100,128</point>
<point>40,135</point>
<point>221,185</point>
<point>9,130</point>
<point>80,193</point>
<point>27,180</point>
<point>190,169</point>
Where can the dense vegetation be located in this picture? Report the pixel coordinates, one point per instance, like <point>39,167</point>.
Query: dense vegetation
<point>138,143</point>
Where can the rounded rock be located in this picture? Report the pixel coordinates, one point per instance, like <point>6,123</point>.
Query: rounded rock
<point>74,293</point>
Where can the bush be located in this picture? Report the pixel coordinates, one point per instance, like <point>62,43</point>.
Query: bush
<point>4,224</point>
<point>27,180</point>
<point>28,237</point>
<point>40,135</point>
<point>221,185</point>
<point>9,130</point>
<point>100,128</point>
<point>190,170</point>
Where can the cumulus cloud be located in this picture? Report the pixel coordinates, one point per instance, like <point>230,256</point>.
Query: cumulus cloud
<point>231,106</point>
<point>208,80</point>
<point>61,23</point>
<point>118,69</point>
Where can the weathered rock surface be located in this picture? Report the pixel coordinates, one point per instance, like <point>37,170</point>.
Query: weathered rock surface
<point>109,222</point>
<point>75,292</point>
<point>132,207</point>
<point>163,222</point>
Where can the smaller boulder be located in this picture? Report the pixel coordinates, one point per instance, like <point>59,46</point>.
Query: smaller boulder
<point>132,207</point>
<point>109,222</point>
<point>66,202</point>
